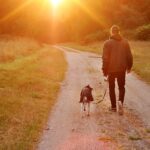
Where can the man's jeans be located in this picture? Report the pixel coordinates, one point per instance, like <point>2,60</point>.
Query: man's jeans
<point>120,76</point>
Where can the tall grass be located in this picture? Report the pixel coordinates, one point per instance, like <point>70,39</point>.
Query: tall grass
<point>141,54</point>
<point>16,47</point>
<point>28,89</point>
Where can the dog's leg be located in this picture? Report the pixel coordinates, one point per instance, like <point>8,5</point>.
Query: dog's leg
<point>82,110</point>
<point>84,104</point>
<point>88,109</point>
<point>81,106</point>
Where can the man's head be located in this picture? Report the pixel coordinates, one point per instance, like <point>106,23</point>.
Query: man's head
<point>114,30</point>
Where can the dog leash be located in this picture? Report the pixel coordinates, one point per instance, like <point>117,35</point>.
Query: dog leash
<point>102,98</point>
<point>106,80</point>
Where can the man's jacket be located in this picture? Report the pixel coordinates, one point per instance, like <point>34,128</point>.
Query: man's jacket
<point>117,55</point>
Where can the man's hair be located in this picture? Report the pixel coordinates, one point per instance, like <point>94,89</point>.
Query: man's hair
<point>114,30</point>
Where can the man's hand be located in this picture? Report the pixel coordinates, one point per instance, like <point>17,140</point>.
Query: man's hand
<point>104,72</point>
<point>106,78</point>
<point>128,70</point>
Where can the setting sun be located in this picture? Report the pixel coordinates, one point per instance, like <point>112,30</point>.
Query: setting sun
<point>55,2</point>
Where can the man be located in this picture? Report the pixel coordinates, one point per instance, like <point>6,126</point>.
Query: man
<point>117,60</point>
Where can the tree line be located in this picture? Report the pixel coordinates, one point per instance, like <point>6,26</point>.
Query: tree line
<point>72,20</point>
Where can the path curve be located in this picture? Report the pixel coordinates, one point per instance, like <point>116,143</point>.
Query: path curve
<point>66,130</point>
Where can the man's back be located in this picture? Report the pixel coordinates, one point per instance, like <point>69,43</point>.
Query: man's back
<point>117,55</point>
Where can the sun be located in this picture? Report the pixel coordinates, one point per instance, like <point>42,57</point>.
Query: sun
<point>55,2</point>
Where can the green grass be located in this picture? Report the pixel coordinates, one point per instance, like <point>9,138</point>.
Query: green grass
<point>29,84</point>
<point>141,54</point>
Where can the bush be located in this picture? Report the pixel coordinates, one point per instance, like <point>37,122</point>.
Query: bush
<point>129,18</point>
<point>143,32</point>
<point>129,34</point>
<point>98,36</point>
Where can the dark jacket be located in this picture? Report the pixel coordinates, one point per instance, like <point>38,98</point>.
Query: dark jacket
<point>117,55</point>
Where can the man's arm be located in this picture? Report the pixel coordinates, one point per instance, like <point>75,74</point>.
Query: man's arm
<point>105,59</point>
<point>129,58</point>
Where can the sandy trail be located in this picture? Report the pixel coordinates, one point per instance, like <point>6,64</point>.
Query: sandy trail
<point>103,130</point>
<point>138,97</point>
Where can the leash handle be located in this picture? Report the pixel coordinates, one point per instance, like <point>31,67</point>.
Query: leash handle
<point>105,78</point>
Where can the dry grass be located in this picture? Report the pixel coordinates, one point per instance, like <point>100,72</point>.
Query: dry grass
<point>16,47</point>
<point>140,51</point>
<point>28,88</point>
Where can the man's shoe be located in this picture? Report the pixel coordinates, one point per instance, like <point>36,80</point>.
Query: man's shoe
<point>120,108</point>
<point>112,109</point>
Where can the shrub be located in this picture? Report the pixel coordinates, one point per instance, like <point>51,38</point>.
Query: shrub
<point>129,18</point>
<point>143,32</point>
<point>97,36</point>
<point>129,34</point>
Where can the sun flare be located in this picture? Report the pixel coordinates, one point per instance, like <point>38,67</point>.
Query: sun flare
<point>55,2</point>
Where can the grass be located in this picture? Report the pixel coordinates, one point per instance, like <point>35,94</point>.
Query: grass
<point>142,59</point>
<point>148,130</point>
<point>15,48</point>
<point>141,54</point>
<point>135,138</point>
<point>29,83</point>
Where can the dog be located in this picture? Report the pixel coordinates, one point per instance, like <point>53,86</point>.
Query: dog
<point>85,99</point>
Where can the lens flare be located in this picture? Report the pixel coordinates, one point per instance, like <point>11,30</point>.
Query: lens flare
<point>55,2</point>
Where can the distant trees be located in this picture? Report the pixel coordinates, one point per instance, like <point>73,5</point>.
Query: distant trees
<point>73,20</point>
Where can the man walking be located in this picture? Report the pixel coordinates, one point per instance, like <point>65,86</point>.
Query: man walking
<point>117,60</point>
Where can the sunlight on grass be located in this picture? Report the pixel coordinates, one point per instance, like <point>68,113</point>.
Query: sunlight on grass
<point>28,89</point>
<point>16,48</point>
<point>142,59</point>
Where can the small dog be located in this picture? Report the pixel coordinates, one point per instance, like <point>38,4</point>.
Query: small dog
<point>85,99</point>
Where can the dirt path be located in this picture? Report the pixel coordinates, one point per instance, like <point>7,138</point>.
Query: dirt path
<point>103,130</point>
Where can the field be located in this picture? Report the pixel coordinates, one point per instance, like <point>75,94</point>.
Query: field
<point>30,77</point>
<point>141,54</point>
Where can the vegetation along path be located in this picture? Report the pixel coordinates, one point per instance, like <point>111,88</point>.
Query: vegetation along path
<point>103,130</point>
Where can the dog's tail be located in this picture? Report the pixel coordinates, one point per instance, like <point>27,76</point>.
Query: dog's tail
<point>85,99</point>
